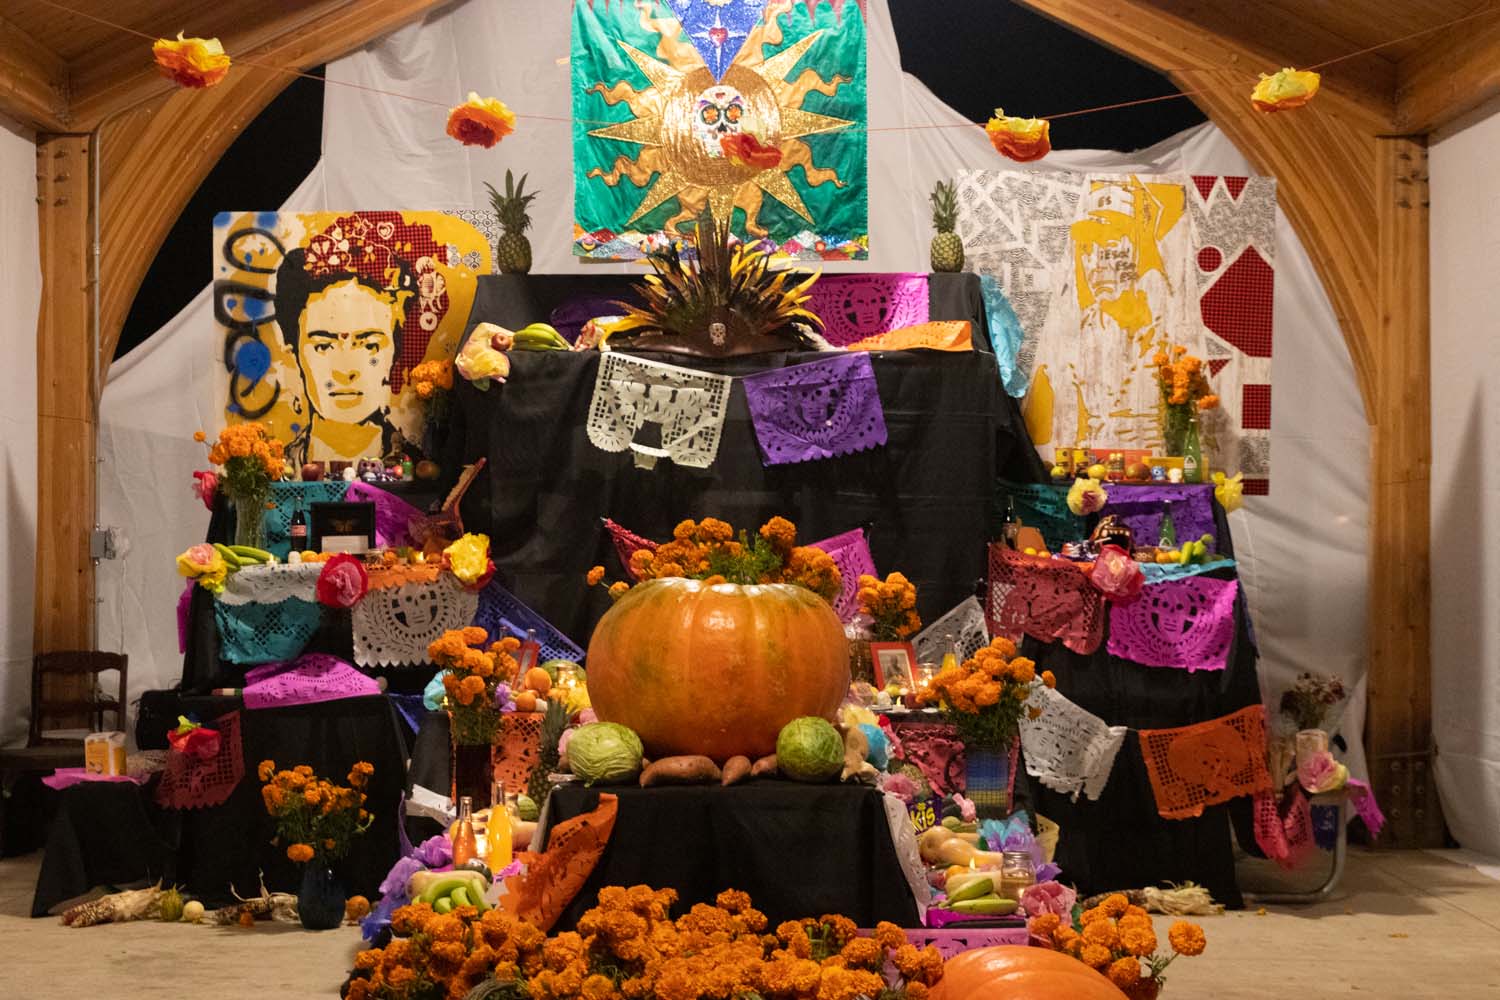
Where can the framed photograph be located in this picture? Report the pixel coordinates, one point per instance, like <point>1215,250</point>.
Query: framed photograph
<point>894,661</point>
<point>341,527</point>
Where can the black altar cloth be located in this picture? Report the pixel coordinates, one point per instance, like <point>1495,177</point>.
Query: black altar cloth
<point>926,496</point>
<point>214,849</point>
<point>1121,841</point>
<point>798,850</point>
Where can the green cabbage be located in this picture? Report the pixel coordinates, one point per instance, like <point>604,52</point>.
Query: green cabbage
<point>809,749</point>
<point>605,753</point>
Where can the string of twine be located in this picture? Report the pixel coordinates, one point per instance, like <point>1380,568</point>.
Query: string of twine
<point>1116,106</point>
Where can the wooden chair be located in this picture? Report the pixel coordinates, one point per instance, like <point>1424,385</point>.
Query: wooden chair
<point>66,695</point>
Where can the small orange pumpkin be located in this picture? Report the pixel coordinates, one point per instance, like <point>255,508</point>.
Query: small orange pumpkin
<point>538,680</point>
<point>716,669</point>
<point>1016,972</point>
<point>525,701</point>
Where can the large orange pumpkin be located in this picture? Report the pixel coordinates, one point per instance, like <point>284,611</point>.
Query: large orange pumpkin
<point>1016,972</point>
<point>716,669</point>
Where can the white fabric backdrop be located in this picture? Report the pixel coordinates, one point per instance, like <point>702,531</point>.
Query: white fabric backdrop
<point>1465,492</point>
<point>1302,548</point>
<point>21,291</point>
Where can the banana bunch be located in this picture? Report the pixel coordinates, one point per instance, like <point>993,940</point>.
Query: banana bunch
<point>540,337</point>
<point>237,557</point>
<point>447,891</point>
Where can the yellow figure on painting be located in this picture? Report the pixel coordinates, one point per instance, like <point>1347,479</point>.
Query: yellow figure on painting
<point>346,348</point>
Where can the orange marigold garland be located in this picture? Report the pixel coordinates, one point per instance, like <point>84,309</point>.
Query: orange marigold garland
<point>481,121</point>
<point>1284,90</point>
<point>629,948</point>
<point>191,62</point>
<point>1020,139</point>
<point>1119,940</point>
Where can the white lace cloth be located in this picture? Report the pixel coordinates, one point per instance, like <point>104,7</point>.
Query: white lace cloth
<point>1067,749</point>
<point>689,405</point>
<point>904,840</point>
<point>394,627</point>
<point>271,584</point>
<point>965,622</point>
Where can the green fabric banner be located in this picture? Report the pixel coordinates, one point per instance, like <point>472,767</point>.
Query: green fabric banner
<point>650,123</point>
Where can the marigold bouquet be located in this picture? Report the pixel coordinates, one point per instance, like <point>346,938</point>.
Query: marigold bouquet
<point>891,606</point>
<point>629,948</point>
<point>984,696</point>
<point>709,551</point>
<point>432,380</point>
<point>1184,388</point>
<point>251,458</point>
<point>472,679</point>
<point>1117,939</point>
<point>315,818</point>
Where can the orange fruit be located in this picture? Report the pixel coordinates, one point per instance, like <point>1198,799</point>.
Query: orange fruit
<point>525,701</point>
<point>538,680</point>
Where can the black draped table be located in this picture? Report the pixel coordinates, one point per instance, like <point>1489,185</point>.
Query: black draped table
<point>796,849</point>
<point>114,833</point>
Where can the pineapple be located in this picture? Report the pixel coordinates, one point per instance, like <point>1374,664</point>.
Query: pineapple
<point>947,251</point>
<point>512,249</point>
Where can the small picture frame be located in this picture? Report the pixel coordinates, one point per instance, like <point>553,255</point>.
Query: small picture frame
<point>342,527</point>
<point>894,661</point>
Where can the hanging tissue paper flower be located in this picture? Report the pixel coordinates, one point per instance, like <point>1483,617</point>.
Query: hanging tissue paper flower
<point>1285,89</point>
<point>203,563</point>
<point>483,357</point>
<point>1086,496</point>
<point>1229,491</point>
<point>746,150</point>
<point>191,62</point>
<point>206,486</point>
<point>1020,139</point>
<point>469,560</point>
<point>481,121</point>
<point>342,582</point>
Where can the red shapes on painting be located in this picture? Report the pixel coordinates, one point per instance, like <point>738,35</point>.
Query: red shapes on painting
<point>1205,184</point>
<point>1237,306</point>
<point>1216,365</point>
<point>1255,407</point>
<point>1235,185</point>
<point>1209,259</point>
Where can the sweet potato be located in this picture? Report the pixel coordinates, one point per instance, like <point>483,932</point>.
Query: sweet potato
<point>736,769</point>
<point>765,767</point>
<point>689,770</point>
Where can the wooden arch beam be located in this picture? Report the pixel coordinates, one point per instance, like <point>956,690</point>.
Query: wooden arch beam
<point>1357,197</point>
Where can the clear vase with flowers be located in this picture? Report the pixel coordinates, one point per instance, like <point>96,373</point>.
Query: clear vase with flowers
<point>252,460</point>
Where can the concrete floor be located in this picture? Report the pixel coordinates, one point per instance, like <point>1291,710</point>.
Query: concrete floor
<point>1402,926</point>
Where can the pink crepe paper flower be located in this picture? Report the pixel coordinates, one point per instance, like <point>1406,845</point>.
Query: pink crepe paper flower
<point>342,582</point>
<point>1048,897</point>
<point>966,810</point>
<point>900,786</point>
<point>206,486</point>
<point>1117,575</point>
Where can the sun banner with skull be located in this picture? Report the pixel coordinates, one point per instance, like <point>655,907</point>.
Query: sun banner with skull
<point>669,94</point>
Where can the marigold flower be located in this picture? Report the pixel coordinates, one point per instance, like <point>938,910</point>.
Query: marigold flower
<point>1044,924</point>
<point>595,575</point>
<point>1049,678</point>
<point>300,852</point>
<point>1124,972</point>
<point>1019,139</point>
<point>1095,956</point>
<point>1187,939</point>
<point>481,121</point>
<point>617,589</point>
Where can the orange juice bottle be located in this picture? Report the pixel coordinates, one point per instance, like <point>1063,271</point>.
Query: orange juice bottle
<point>464,847</point>
<point>498,833</point>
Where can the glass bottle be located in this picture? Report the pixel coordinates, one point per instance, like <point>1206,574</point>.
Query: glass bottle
<point>1011,527</point>
<point>527,656</point>
<point>1017,873</point>
<point>465,849</point>
<point>1192,453</point>
<point>297,530</point>
<point>1168,539</point>
<point>497,832</point>
<point>950,652</point>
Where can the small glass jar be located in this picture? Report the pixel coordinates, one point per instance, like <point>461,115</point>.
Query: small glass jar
<point>1017,874</point>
